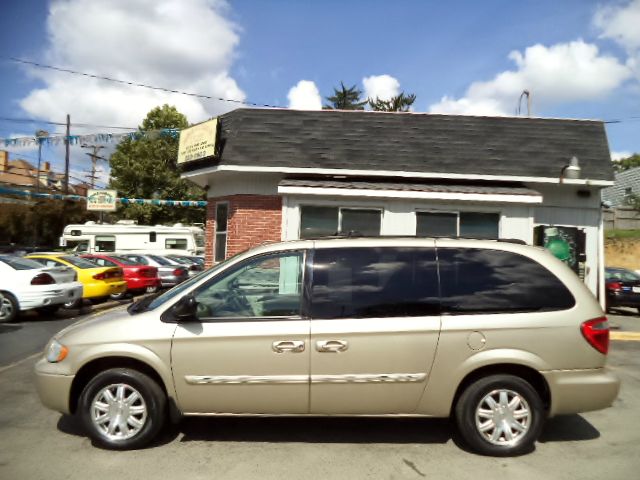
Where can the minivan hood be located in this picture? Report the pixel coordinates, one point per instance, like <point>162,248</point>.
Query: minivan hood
<point>97,318</point>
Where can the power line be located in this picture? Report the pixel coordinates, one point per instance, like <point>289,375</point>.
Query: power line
<point>34,120</point>
<point>136,84</point>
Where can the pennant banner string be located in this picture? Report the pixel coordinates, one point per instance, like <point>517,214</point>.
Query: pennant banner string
<point>123,201</point>
<point>89,138</point>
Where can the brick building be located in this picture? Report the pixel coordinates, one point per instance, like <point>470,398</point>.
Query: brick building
<point>286,174</point>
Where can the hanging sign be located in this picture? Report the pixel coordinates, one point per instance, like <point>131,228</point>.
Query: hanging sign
<point>101,200</point>
<point>198,141</point>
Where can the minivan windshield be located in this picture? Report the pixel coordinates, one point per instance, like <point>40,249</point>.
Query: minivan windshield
<point>152,302</point>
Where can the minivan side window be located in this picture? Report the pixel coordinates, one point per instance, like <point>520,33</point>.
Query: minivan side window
<point>475,280</point>
<point>374,282</point>
<point>267,286</point>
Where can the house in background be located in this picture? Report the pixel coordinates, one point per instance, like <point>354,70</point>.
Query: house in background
<point>22,175</point>
<point>626,183</point>
<point>281,174</point>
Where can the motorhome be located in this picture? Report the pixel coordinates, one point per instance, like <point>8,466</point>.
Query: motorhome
<point>124,236</point>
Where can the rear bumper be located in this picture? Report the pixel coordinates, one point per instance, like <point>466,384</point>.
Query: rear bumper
<point>104,289</point>
<point>54,390</point>
<point>56,294</point>
<point>142,283</point>
<point>624,300</point>
<point>575,391</point>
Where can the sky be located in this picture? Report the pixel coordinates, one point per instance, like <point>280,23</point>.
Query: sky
<point>577,58</point>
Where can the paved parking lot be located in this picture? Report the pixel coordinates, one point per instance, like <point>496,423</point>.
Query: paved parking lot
<point>36,443</point>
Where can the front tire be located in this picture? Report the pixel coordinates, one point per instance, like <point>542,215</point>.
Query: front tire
<point>9,307</point>
<point>500,415</point>
<point>122,409</point>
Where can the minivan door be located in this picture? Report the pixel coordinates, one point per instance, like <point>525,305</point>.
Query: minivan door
<point>375,323</point>
<point>248,352</point>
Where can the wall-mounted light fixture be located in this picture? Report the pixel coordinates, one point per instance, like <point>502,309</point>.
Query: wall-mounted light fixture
<point>571,171</point>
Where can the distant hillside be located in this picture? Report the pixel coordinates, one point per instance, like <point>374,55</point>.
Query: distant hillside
<point>622,252</point>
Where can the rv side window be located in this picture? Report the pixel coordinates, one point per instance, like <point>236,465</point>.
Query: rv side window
<point>105,243</point>
<point>152,236</point>
<point>175,244</point>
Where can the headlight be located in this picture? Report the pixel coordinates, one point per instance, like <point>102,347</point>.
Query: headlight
<point>56,352</point>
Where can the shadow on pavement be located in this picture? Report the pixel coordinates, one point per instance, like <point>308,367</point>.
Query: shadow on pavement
<point>335,430</point>
<point>316,430</point>
<point>568,428</point>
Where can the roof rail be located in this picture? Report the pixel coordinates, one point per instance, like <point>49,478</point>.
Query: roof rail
<point>355,234</point>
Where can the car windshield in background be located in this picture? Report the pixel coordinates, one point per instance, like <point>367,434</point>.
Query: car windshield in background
<point>182,260</point>
<point>160,260</point>
<point>78,262</point>
<point>124,260</point>
<point>18,263</point>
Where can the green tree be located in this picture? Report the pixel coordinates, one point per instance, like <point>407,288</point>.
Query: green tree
<point>626,163</point>
<point>145,167</point>
<point>345,99</point>
<point>399,103</point>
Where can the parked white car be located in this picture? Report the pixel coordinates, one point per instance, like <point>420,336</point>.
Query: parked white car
<point>26,285</point>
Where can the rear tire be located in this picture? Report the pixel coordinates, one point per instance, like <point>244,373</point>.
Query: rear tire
<point>122,409</point>
<point>118,296</point>
<point>500,415</point>
<point>9,307</point>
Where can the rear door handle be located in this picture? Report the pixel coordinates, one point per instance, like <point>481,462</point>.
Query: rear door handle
<point>293,346</point>
<point>332,346</point>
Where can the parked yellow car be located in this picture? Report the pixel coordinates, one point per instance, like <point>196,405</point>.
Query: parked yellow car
<point>97,282</point>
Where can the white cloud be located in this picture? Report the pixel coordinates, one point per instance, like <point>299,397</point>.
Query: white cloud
<point>619,155</point>
<point>621,23</point>
<point>565,72</point>
<point>383,87</point>
<point>305,96</point>
<point>183,45</point>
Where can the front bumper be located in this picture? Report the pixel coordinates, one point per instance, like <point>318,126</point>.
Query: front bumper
<point>575,391</point>
<point>53,389</point>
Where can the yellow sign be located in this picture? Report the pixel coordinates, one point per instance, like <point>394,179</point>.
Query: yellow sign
<point>101,200</point>
<point>198,141</point>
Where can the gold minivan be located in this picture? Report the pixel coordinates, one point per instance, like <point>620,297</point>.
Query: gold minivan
<point>498,335</point>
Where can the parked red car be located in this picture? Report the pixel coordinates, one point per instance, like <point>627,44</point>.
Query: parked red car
<point>140,278</point>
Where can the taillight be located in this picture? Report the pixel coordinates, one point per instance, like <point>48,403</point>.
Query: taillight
<point>99,276</point>
<point>194,268</point>
<point>178,272</point>
<point>615,286</point>
<point>596,332</point>
<point>42,279</point>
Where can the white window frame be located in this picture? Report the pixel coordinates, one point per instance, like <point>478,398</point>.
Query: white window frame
<point>458,212</point>
<point>216,232</point>
<point>340,207</point>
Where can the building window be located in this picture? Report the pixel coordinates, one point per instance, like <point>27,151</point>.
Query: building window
<point>105,243</point>
<point>175,244</point>
<point>436,224</point>
<point>457,224</point>
<point>220,249</point>
<point>326,221</point>
<point>479,225</point>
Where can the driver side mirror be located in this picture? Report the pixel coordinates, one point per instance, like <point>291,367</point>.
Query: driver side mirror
<point>185,310</point>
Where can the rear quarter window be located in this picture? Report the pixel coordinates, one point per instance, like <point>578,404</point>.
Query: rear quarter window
<point>495,281</point>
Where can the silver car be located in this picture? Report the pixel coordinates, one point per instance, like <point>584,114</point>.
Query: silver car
<point>170,273</point>
<point>497,335</point>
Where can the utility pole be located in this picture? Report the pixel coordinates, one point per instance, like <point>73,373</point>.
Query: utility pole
<point>94,161</point>
<point>40,136</point>
<point>66,172</point>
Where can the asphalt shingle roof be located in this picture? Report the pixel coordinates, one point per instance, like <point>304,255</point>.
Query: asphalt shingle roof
<point>374,141</point>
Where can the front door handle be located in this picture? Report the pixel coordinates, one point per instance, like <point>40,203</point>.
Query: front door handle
<point>293,346</point>
<point>332,346</point>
